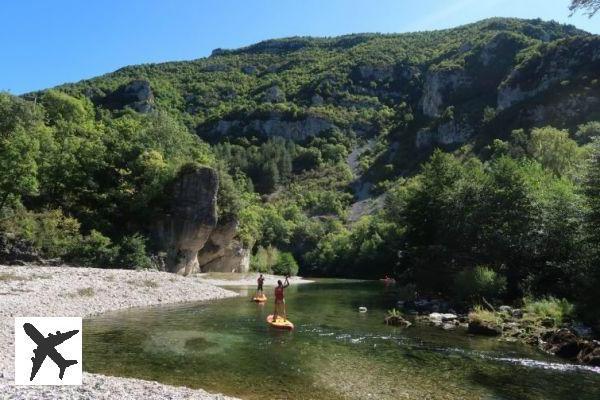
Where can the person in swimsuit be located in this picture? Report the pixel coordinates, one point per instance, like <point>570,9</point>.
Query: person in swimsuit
<point>280,300</point>
<point>259,290</point>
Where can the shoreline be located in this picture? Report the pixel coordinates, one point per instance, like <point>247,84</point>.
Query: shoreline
<point>245,279</point>
<point>84,292</point>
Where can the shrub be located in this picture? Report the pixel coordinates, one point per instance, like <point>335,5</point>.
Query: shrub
<point>95,250</point>
<point>264,259</point>
<point>286,264</point>
<point>557,309</point>
<point>132,253</point>
<point>479,282</point>
<point>481,316</point>
<point>51,232</point>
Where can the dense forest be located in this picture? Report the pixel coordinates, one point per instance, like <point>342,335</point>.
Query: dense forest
<point>463,162</point>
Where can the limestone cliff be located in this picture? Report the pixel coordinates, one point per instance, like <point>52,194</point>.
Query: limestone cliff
<point>223,252</point>
<point>274,125</point>
<point>189,232</point>
<point>190,219</point>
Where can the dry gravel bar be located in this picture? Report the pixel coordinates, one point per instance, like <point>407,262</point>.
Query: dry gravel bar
<point>79,292</point>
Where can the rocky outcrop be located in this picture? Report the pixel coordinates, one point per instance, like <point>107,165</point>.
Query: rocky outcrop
<point>374,72</point>
<point>452,132</point>
<point>478,327</point>
<point>438,86</point>
<point>250,70</point>
<point>223,252</point>
<point>553,65</point>
<point>235,258</point>
<point>137,95</point>
<point>275,125</point>
<point>274,94</point>
<point>567,344</point>
<point>190,219</point>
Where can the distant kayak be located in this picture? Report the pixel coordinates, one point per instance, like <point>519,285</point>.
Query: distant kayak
<point>388,280</point>
<point>280,323</point>
<point>260,299</point>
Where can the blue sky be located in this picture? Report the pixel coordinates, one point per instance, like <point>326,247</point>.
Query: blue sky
<point>46,43</point>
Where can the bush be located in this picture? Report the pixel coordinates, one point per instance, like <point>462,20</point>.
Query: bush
<point>479,282</point>
<point>558,309</point>
<point>481,316</point>
<point>132,253</point>
<point>95,250</point>
<point>264,259</point>
<point>50,232</point>
<point>286,264</point>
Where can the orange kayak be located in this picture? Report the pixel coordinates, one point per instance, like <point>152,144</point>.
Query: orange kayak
<point>280,323</point>
<point>260,299</point>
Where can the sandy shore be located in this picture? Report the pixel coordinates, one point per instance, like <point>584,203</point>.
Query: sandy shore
<point>68,291</point>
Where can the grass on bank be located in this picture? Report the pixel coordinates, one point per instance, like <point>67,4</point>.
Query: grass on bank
<point>559,310</point>
<point>7,277</point>
<point>484,317</point>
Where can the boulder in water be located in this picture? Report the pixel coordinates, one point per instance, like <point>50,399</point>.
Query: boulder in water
<point>478,327</point>
<point>396,320</point>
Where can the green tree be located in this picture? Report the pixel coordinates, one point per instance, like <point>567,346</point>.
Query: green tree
<point>132,253</point>
<point>286,264</point>
<point>554,149</point>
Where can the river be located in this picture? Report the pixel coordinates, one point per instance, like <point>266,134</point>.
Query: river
<point>335,352</point>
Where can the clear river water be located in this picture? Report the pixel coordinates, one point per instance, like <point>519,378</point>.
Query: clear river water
<point>335,352</point>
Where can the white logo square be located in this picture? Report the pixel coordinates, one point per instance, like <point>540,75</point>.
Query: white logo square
<point>48,351</point>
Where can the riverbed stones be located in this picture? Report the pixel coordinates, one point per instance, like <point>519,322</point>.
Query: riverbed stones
<point>111,289</point>
<point>396,320</point>
<point>567,344</point>
<point>478,327</point>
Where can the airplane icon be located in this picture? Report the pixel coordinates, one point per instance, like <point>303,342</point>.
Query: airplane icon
<point>46,347</point>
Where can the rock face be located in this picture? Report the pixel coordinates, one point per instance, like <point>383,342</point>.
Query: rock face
<point>438,85</point>
<point>222,252</point>
<point>448,133</point>
<point>274,94</point>
<point>137,94</point>
<point>538,74</point>
<point>275,125</point>
<point>235,258</point>
<point>191,218</point>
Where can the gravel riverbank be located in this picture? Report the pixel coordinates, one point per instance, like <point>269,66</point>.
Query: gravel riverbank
<point>70,291</point>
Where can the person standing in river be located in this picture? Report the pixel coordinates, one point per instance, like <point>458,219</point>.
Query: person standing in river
<point>259,290</point>
<point>280,300</point>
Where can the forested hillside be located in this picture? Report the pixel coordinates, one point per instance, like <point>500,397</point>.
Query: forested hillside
<point>461,161</point>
